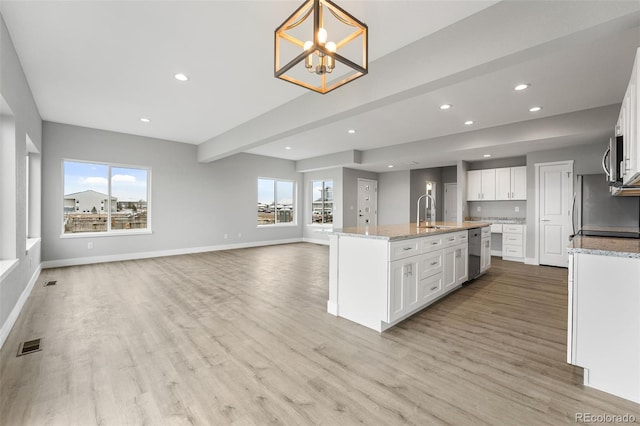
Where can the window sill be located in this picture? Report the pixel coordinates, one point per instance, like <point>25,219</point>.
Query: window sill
<point>6,266</point>
<point>278,225</point>
<point>32,242</point>
<point>320,225</point>
<point>106,234</point>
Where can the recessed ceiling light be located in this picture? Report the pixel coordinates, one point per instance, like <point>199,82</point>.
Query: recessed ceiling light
<point>287,147</point>
<point>351,131</point>
<point>145,120</point>
<point>390,166</point>
<point>181,77</point>
<point>535,109</point>
<point>521,86</point>
<point>487,155</point>
<point>468,122</point>
<point>445,106</point>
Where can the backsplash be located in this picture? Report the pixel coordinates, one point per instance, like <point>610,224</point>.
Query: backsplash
<point>498,209</point>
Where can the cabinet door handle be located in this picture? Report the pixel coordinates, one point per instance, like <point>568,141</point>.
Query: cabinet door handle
<point>512,195</point>
<point>478,195</point>
<point>433,243</point>
<point>434,288</point>
<point>433,263</point>
<point>508,196</point>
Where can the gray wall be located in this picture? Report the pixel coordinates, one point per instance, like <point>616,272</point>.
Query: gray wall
<point>450,174</point>
<point>318,233</point>
<point>587,160</point>
<point>393,197</point>
<point>418,179</point>
<point>350,194</point>
<point>16,92</point>
<point>192,204</point>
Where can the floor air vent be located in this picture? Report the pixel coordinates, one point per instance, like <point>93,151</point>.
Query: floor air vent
<point>48,283</point>
<point>29,346</point>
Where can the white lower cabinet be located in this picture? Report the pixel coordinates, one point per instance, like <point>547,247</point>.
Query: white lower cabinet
<point>403,286</point>
<point>455,266</point>
<point>485,253</point>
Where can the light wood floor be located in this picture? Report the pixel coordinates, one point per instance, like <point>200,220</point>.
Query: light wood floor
<point>243,337</point>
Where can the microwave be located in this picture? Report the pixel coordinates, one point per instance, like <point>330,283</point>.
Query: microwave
<point>613,161</point>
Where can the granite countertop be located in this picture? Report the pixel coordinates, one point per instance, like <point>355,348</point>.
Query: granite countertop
<point>407,230</point>
<point>606,246</point>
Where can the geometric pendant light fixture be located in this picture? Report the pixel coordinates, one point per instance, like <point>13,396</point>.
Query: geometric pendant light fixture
<point>321,47</point>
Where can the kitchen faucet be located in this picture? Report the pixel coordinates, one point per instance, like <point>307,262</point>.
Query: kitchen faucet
<point>433,209</point>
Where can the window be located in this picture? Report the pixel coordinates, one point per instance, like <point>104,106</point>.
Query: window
<point>322,201</point>
<point>104,198</point>
<point>275,201</point>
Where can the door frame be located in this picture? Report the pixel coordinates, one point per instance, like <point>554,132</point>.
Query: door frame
<point>455,198</point>
<point>537,201</point>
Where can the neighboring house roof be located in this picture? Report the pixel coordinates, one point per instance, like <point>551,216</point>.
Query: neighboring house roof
<point>87,192</point>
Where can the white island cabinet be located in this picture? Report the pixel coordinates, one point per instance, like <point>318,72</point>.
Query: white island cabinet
<point>604,313</point>
<point>379,276</point>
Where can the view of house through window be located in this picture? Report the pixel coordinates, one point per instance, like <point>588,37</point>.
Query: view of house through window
<point>103,198</point>
<point>322,201</point>
<point>275,201</point>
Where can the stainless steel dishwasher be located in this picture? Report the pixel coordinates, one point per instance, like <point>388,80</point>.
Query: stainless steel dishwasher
<point>475,251</point>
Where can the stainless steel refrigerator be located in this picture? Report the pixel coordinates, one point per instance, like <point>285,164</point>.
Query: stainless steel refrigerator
<point>597,213</point>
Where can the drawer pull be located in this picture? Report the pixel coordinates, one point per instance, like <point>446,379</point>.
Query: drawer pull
<point>407,248</point>
<point>433,243</point>
<point>433,288</point>
<point>512,239</point>
<point>433,263</point>
<point>452,239</point>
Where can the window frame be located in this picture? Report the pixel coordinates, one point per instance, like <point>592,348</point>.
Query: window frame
<point>321,224</point>
<point>109,232</point>
<point>294,222</point>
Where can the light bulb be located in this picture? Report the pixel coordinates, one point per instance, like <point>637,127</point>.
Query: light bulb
<point>308,63</point>
<point>331,64</point>
<point>322,36</point>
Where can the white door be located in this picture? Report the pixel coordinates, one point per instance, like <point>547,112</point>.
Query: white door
<point>488,184</point>
<point>449,268</point>
<point>367,202</point>
<point>450,202</point>
<point>519,183</point>
<point>555,188</point>
<point>474,185</point>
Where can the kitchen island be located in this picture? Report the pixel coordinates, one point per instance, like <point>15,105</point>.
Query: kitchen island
<point>603,333</point>
<point>380,275</point>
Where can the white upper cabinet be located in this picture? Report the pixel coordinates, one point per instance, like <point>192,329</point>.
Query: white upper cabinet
<point>481,185</point>
<point>627,126</point>
<point>503,183</point>
<point>508,183</point>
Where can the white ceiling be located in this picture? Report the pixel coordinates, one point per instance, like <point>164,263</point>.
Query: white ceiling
<point>106,64</point>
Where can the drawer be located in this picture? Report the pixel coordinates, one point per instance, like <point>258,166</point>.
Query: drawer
<point>430,263</point>
<point>496,228</point>
<point>486,231</point>
<point>512,239</point>
<point>462,237</point>
<point>402,249</point>
<point>449,240</point>
<point>514,229</point>
<point>511,251</point>
<point>429,289</point>
<point>431,243</point>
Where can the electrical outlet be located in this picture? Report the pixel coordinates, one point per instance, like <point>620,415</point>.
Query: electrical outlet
<point>479,208</point>
<point>89,246</point>
<point>226,236</point>
<point>517,209</point>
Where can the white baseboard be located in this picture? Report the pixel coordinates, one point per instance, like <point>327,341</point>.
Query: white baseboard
<point>160,253</point>
<point>530,261</point>
<point>497,253</point>
<point>15,312</point>
<point>332,308</point>
<point>316,241</point>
